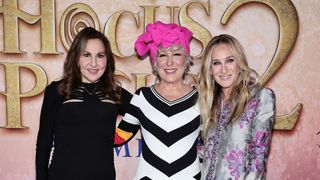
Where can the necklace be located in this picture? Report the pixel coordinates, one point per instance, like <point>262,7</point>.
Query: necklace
<point>90,92</point>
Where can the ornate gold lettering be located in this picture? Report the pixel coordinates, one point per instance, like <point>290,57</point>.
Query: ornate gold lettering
<point>13,94</point>
<point>110,30</point>
<point>11,14</point>
<point>48,28</point>
<point>71,23</point>
<point>199,32</point>
<point>119,74</point>
<point>141,79</point>
<point>289,25</point>
<point>172,8</point>
<point>288,121</point>
<point>149,12</point>
<point>73,20</point>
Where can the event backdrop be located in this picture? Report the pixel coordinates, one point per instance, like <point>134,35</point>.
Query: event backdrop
<point>280,38</point>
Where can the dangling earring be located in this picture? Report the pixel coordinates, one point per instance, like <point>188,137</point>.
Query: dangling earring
<point>184,77</point>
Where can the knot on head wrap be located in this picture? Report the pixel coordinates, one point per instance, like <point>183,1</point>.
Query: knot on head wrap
<point>162,35</point>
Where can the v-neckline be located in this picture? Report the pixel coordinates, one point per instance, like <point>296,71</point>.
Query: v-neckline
<point>172,102</point>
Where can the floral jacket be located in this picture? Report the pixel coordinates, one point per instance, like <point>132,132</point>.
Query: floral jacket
<point>239,150</point>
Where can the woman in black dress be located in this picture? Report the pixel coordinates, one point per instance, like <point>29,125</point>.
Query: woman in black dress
<point>79,114</point>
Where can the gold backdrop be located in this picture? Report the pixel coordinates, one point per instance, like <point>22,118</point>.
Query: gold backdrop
<point>279,37</point>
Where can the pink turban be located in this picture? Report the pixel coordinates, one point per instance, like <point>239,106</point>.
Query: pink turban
<point>164,35</point>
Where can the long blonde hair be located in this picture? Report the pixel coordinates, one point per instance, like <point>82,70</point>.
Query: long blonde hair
<point>210,94</point>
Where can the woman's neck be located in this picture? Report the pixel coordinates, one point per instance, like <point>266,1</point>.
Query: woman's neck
<point>173,91</point>
<point>226,94</point>
<point>171,86</point>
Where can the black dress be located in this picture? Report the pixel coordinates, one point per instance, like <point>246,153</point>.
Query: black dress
<point>82,130</point>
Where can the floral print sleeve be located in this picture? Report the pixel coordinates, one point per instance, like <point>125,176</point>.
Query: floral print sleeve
<point>238,150</point>
<point>259,145</point>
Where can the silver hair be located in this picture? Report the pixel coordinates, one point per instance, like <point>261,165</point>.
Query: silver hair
<point>187,57</point>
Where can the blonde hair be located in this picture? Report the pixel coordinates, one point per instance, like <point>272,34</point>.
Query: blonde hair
<point>210,95</point>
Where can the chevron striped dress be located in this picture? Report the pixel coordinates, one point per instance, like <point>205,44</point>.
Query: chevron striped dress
<point>169,135</point>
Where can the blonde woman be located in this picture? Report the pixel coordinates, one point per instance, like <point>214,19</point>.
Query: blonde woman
<point>236,112</point>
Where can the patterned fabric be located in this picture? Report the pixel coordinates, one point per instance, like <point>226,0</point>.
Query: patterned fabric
<point>239,150</point>
<point>169,135</point>
<point>211,150</point>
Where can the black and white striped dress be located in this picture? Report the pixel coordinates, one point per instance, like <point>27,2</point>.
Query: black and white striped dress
<point>169,135</point>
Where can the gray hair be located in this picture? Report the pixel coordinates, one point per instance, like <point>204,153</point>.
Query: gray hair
<point>187,57</point>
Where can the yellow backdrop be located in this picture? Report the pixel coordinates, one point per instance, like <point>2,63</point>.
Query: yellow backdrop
<point>280,39</point>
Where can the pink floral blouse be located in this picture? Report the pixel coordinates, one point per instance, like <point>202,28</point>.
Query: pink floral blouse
<point>239,150</point>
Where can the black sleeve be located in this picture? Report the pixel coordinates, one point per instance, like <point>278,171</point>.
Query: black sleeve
<point>46,130</point>
<point>125,101</point>
<point>125,131</point>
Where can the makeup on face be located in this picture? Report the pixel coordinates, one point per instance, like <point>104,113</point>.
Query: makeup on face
<point>224,67</point>
<point>92,61</point>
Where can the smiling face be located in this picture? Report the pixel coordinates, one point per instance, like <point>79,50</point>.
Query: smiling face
<point>171,65</point>
<point>224,68</point>
<point>92,61</point>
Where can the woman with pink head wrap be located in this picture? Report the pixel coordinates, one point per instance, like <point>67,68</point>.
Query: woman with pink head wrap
<point>165,112</point>
<point>162,35</point>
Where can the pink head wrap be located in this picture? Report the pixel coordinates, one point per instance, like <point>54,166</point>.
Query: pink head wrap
<point>164,35</point>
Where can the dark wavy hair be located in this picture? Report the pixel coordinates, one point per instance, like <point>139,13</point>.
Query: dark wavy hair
<point>71,77</point>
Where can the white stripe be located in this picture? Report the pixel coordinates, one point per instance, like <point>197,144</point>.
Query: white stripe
<point>188,172</point>
<point>131,119</point>
<point>145,169</point>
<point>173,152</point>
<point>166,123</point>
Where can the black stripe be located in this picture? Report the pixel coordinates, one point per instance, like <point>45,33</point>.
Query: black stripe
<point>125,126</point>
<point>165,108</point>
<point>198,176</point>
<point>169,168</point>
<point>168,138</point>
<point>145,178</point>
